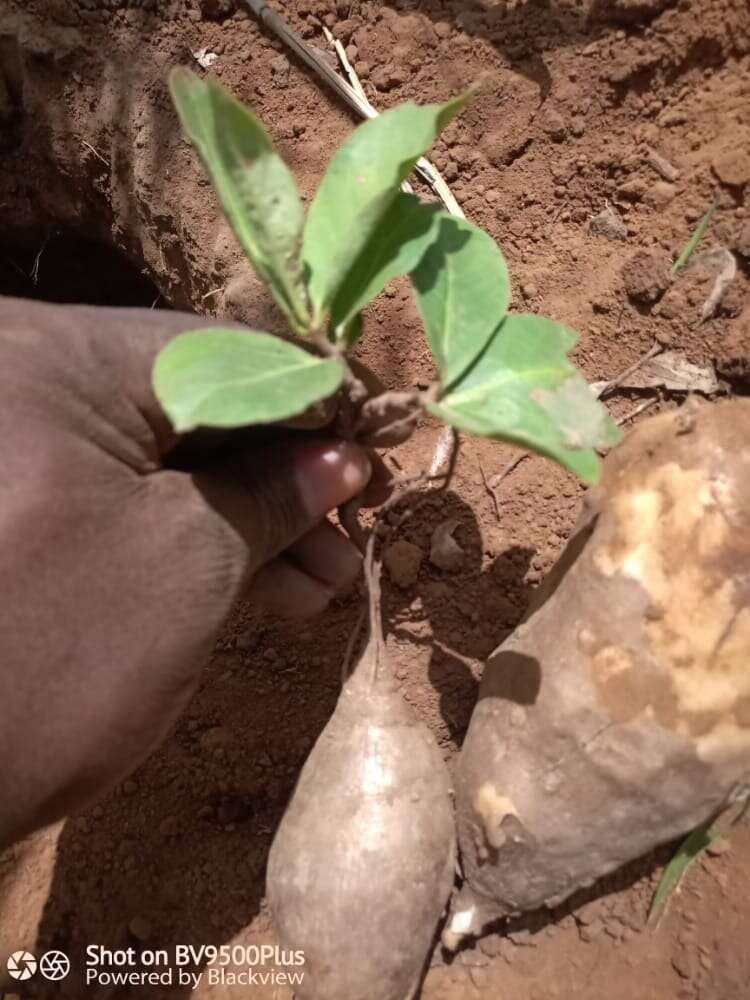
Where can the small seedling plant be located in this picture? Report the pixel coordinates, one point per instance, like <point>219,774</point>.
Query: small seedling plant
<point>502,375</point>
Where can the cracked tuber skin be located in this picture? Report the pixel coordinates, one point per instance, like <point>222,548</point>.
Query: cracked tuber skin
<point>617,716</point>
<point>363,861</point>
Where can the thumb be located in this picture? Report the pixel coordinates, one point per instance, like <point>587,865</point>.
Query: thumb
<point>276,494</point>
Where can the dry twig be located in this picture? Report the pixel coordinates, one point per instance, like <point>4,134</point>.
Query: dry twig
<point>495,481</point>
<point>276,23</point>
<point>603,388</point>
<point>490,490</point>
<point>96,152</point>
<point>636,410</point>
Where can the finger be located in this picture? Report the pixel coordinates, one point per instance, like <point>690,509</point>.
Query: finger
<point>380,483</point>
<point>284,589</point>
<point>324,553</point>
<point>272,497</point>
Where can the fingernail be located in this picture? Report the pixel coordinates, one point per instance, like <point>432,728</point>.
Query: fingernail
<point>330,474</point>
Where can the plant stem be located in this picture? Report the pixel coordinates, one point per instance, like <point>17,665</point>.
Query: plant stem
<point>357,388</point>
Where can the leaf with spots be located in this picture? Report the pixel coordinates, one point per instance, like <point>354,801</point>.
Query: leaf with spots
<point>255,187</point>
<point>522,388</point>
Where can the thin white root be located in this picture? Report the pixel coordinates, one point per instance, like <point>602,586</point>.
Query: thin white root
<point>443,448</point>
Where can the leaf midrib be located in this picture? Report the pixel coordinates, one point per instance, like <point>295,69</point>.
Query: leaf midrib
<point>459,398</point>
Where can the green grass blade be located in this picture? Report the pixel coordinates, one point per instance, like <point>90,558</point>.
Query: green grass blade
<point>699,233</point>
<point>691,847</point>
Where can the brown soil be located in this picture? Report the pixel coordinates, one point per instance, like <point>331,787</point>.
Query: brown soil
<point>578,97</point>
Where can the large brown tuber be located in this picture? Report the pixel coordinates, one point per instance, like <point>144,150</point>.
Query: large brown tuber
<point>617,716</point>
<point>363,860</point>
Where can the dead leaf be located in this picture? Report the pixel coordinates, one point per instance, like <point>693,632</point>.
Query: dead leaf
<point>671,370</point>
<point>720,262</point>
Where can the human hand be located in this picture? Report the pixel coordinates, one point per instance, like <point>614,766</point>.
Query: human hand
<point>116,570</point>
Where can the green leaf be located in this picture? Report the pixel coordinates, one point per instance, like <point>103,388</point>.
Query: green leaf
<point>699,233</point>
<point>693,845</point>
<point>231,378</point>
<point>255,187</point>
<point>463,291</point>
<point>523,389</point>
<point>358,188</point>
<point>396,247</point>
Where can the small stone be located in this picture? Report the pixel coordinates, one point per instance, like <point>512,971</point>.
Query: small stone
<point>578,125</point>
<point>608,223</point>
<point>140,928</point>
<point>345,29</point>
<point>129,787</point>
<point>660,194</point>
<point>280,68</point>
<point>501,146</point>
<point>591,931</point>
<point>553,124</point>
<point>403,560</point>
<point>442,29</point>
<point>664,338</point>
<point>646,275</point>
<point>661,165</point>
<point>529,289</point>
<point>633,189</point>
<point>387,77</point>
<point>733,167</point>
<point>445,552</point>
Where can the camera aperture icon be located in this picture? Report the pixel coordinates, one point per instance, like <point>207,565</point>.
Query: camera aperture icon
<point>54,965</point>
<point>21,965</point>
